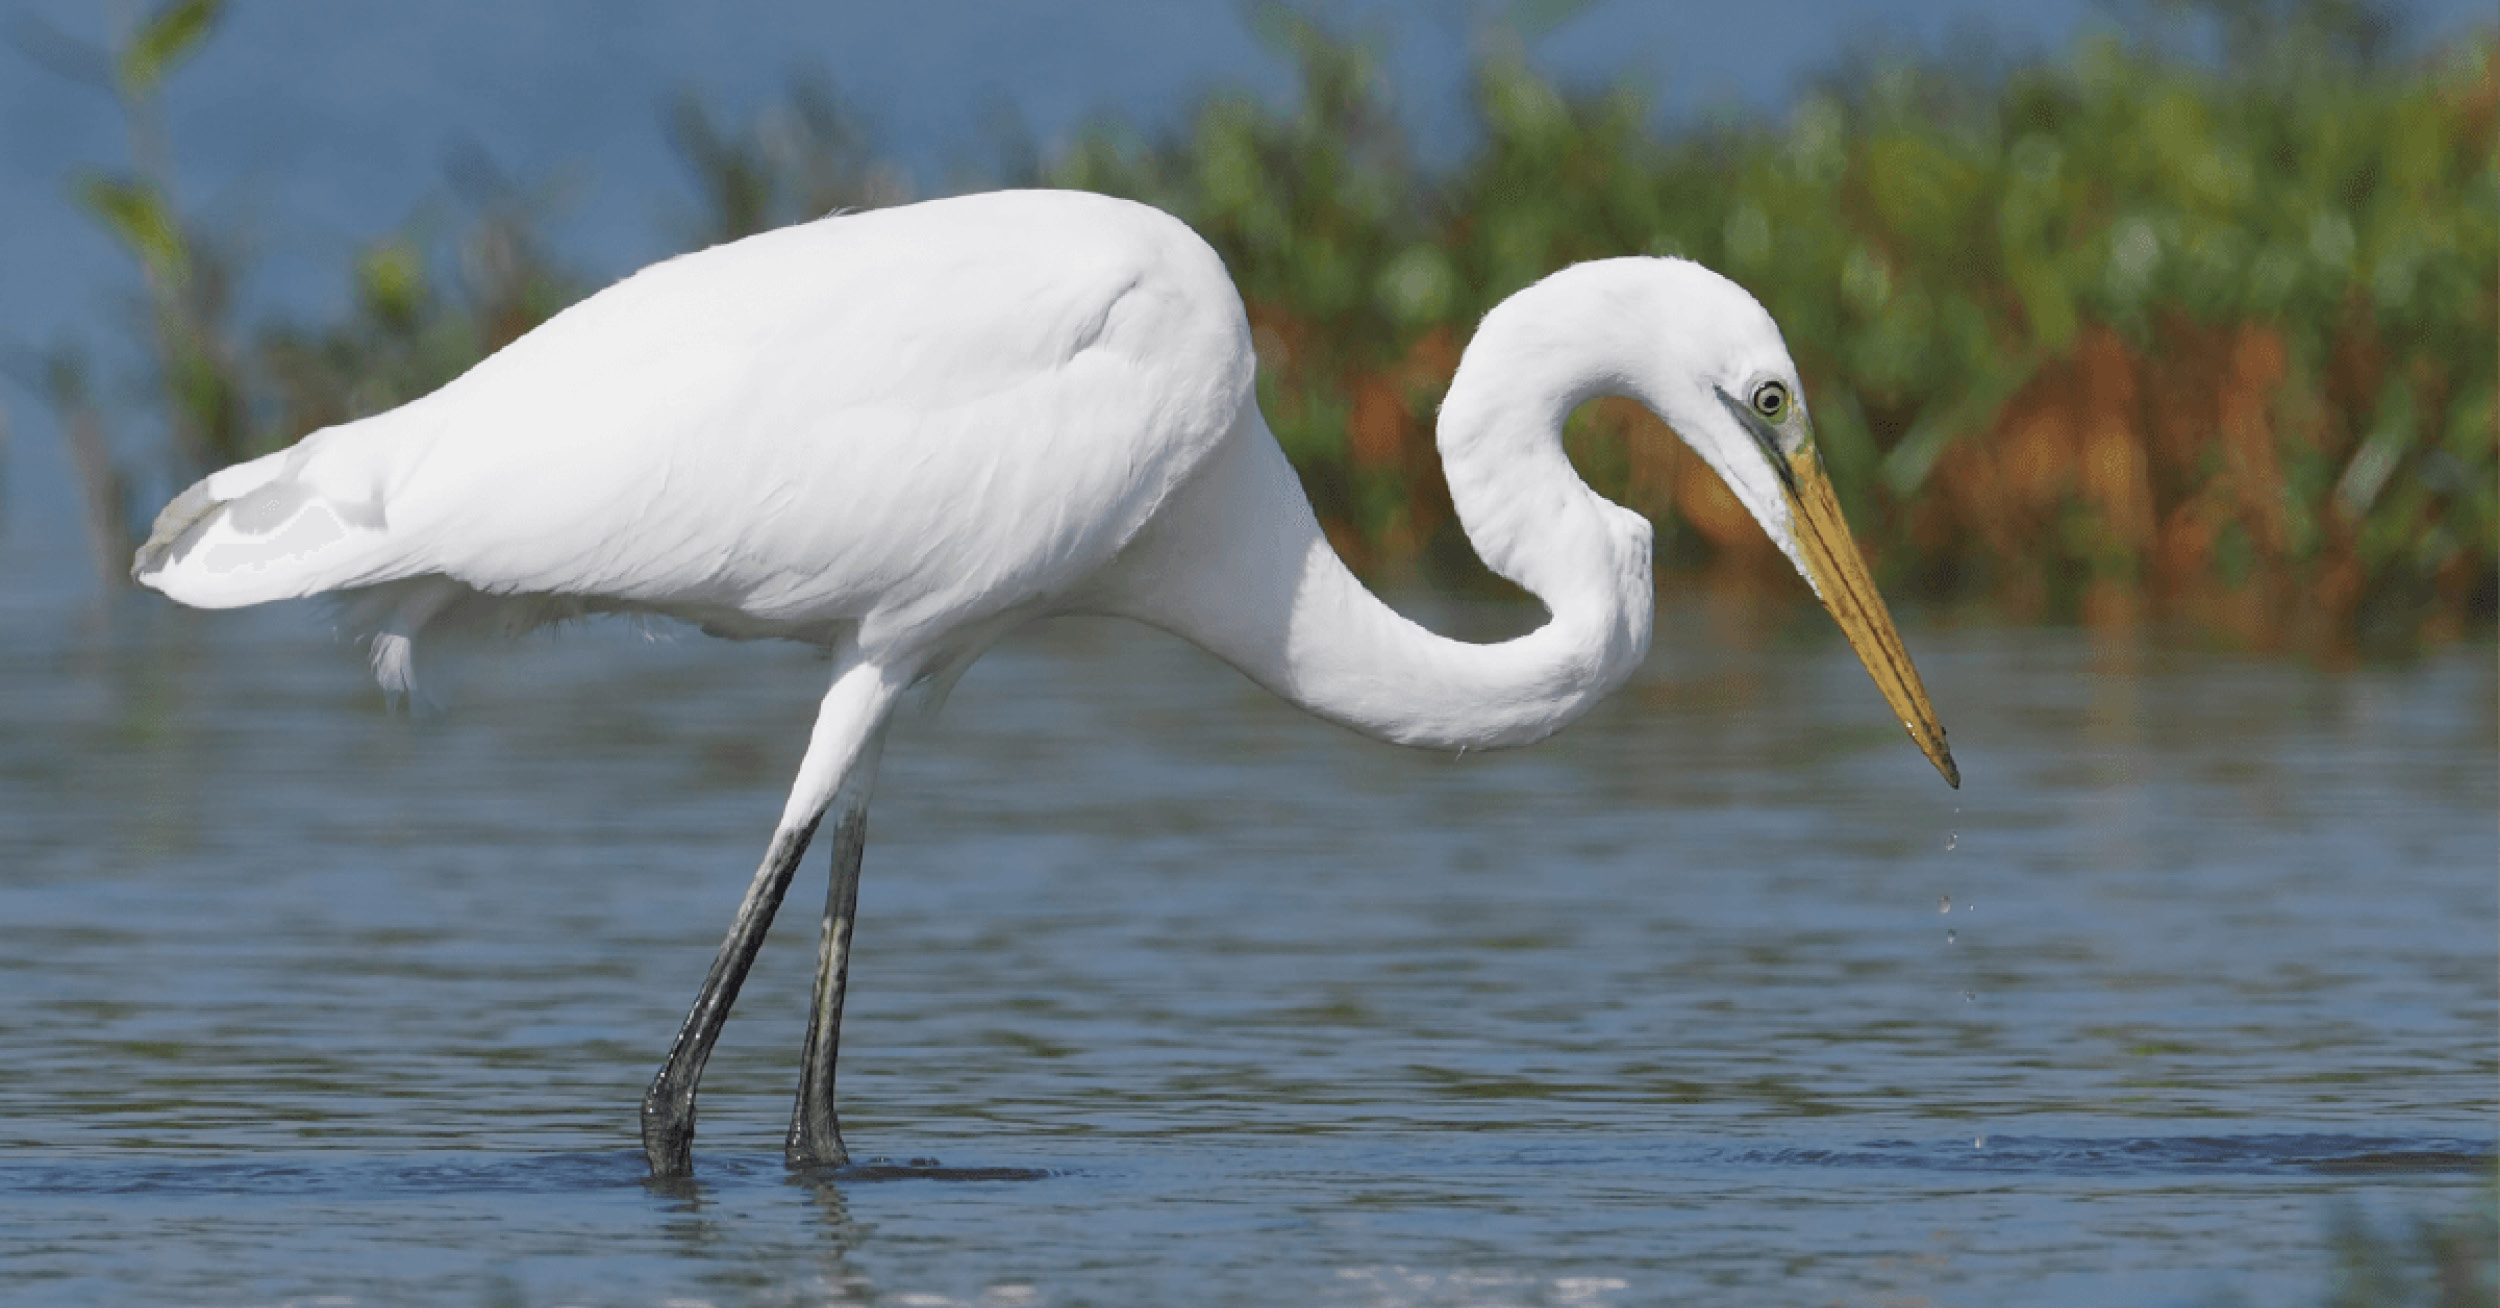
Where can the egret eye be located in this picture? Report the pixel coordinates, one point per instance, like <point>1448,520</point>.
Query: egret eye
<point>1770,399</point>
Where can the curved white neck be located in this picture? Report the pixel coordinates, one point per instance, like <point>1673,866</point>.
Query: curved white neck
<point>1236,562</point>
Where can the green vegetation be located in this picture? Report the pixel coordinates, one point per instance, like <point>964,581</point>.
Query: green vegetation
<point>2450,1263</point>
<point>2116,337</point>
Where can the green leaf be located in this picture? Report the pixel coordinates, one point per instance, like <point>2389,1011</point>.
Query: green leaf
<point>165,39</point>
<point>390,280</point>
<point>136,214</point>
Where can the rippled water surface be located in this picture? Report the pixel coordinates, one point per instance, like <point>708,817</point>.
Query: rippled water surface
<point>1719,997</point>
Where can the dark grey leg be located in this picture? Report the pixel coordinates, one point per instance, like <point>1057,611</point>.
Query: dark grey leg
<point>668,1106</point>
<point>815,1132</point>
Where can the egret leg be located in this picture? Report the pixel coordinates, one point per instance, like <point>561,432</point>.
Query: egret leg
<point>841,750</point>
<point>668,1106</point>
<point>815,1132</point>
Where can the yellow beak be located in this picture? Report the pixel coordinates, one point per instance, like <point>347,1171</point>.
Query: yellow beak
<point>1839,575</point>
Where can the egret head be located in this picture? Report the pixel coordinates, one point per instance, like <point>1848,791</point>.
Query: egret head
<point>1704,355</point>
<point>1728,387</point>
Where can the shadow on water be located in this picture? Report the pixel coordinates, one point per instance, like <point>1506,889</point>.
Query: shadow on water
<point>2326,1155</point>
<point>369,1177</point>
<point>2044,1156</point>
<point>917,1169</point>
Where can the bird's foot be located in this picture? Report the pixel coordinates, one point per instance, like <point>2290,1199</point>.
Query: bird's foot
<point>668,1134</point>
<point>815,1150</point>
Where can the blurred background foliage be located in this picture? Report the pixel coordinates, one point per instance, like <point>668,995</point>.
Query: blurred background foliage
<point>2127,334</point>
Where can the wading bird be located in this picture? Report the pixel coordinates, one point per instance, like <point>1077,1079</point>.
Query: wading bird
<point>899,435</point>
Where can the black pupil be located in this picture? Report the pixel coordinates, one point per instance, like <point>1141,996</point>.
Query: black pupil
<point>1768,399</point>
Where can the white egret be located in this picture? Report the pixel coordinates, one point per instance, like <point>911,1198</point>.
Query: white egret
<point>898,435</point>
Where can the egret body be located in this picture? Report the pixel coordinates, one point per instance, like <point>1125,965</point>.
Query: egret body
<point>898,435</point>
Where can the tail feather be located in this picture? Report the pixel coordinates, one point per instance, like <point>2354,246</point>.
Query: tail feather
<point>233,540</point>
<point>311,520</point>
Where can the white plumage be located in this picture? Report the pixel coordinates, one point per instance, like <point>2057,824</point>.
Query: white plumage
<point>900,434</point>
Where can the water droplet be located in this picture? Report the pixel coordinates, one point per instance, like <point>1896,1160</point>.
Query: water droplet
<point>1948,937</point>
<point>1968,996</point>
<point>1980,1143</point>
<point>1944,903</point>
<point>1951,839</point>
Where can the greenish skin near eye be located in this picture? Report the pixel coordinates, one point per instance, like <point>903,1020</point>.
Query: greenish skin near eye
<point>1770,399</point>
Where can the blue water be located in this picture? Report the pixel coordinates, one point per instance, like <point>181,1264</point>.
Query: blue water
<point>1166,994</point>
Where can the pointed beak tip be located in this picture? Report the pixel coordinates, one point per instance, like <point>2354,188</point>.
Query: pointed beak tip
<point>1930,742</point>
